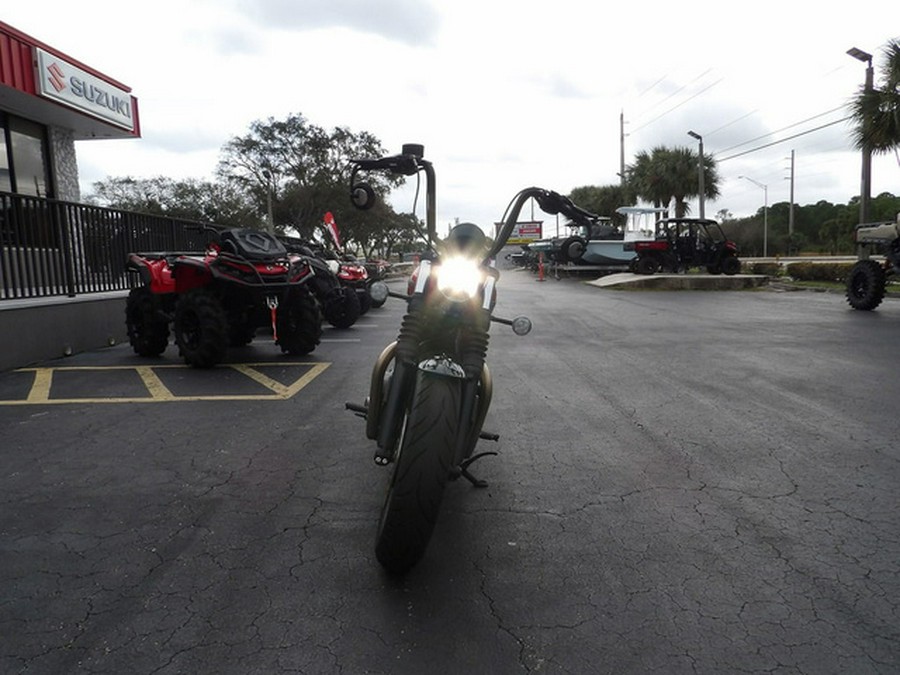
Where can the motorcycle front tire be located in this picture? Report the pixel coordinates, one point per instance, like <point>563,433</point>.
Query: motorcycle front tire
<point>421,471</point>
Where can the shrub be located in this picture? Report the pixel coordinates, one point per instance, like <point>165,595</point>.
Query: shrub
<point>769,268</point>
<point>810,271</point>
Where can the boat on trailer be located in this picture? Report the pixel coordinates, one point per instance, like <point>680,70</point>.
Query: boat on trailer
<point>596,243</point>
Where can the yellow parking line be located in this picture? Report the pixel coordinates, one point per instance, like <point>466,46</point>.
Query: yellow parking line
<point>158,391</point>
<point>316,370</point>
<point>40,388</point>
<point>257,376</point>
<point>39,393</point>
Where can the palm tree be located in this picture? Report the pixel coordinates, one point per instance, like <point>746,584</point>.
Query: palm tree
<point>671,173</point>
<point>876,112</point>
<point>648,177</point>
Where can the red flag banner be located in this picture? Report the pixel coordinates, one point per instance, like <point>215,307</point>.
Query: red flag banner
<point>332,228</point>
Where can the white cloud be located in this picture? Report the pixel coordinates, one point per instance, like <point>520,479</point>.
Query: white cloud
<point>412,22</point>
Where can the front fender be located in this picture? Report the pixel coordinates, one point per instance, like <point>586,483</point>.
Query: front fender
<point>444,366</point>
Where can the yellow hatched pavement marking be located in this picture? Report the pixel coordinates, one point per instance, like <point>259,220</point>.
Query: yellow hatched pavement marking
<point>155,386</point>
<point>39,394</point>
<point>40,388</point>
<point>277,387</point>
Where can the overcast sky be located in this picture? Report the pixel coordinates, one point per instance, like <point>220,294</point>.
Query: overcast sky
<point>503,94</point>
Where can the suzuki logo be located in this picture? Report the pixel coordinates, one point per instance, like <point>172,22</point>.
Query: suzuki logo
<point>57,77</point>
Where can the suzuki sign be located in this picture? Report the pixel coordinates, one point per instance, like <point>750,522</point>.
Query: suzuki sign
<point>61,81</point>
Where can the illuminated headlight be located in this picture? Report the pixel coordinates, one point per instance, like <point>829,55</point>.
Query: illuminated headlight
<point>459,278</point>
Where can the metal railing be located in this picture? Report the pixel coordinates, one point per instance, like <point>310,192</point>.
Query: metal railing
<point>53,248</point>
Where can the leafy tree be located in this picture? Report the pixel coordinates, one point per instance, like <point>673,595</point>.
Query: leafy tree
<point>189,199</point>
<point>297,171</point>
<point>603,200</point>
<point>885,206</point>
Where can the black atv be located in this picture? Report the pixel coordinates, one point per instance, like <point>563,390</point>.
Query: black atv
<point>340,305</point>
<point>245,280</point>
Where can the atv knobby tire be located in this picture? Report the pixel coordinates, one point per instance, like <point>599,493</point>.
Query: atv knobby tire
<point>147,333</point>
<point>342,309</point>
<point>299,322</point>
<point>421,470</point>
<point>865,285</point>
<point>201,329</point>
<point>730,265</point>
<point>647,265</point>
<point>365,301</point>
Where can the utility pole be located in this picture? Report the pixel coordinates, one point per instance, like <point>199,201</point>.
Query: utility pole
<point>700,171</point>
<point>791,211</point>
<point>622,148</point>
<point>865,191</point>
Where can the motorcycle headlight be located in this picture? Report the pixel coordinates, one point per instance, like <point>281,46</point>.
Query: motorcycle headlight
<point>459,278</point>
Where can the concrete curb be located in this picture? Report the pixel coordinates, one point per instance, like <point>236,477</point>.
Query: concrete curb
<point>680,282</point>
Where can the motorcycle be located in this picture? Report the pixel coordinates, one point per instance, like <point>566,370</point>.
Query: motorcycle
<point>430,389</point>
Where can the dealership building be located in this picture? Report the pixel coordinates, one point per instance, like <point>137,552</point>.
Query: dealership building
<point>49,100</point>
<point>62,278</point>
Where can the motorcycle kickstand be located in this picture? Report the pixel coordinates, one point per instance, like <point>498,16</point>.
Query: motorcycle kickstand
<point>463,469</point>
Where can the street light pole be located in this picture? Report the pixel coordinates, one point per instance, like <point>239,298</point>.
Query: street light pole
<point>765,213</point>
<point>693,134</point>
<point>866,181</point>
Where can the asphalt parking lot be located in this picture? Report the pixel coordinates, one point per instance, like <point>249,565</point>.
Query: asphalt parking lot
<point>687,482</point>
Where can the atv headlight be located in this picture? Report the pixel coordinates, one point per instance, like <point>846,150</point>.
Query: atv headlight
<point>458,278</point>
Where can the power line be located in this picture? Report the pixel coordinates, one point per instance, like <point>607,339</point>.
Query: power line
<point>782,140</point>
<point>666,98</point>
<point>789,126</point>
<point>688,99</point>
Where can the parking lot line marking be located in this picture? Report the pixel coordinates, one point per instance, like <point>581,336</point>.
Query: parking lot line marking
<point>154,385</point>
<point>316,370</point>
<point>39,393</point>
<point>257,376</point>
<point>40,388</point>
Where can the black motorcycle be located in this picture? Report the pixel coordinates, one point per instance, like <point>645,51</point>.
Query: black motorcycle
<point>430,390</point>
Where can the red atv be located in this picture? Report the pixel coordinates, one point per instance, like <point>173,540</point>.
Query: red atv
<point>353,274</point>
<point>244,280</point>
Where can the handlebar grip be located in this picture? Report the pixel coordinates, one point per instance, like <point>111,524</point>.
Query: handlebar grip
<point>406,165</point>
<point>368,164</point>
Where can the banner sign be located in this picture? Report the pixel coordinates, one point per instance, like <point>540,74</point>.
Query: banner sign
<point>526,232</point>
<point>332,228</point>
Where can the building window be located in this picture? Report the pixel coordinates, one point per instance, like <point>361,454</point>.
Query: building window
<point>5,174</point>
<point>24,160</point>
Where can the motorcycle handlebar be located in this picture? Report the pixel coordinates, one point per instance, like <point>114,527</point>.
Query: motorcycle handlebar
<point>551,202</point>
<point>403,164</point>
<point>411,161</point>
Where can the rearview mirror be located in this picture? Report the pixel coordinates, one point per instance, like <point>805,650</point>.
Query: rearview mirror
<point>363,196</point>
<point>379,291</point>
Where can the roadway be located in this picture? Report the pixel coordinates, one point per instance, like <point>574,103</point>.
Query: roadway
<point>687,482</point>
